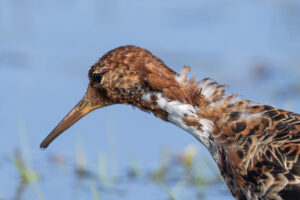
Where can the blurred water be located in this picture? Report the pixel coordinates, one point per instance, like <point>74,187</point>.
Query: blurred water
<point>46,50</point>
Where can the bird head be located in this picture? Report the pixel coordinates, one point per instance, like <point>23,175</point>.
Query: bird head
<point>121,76</point>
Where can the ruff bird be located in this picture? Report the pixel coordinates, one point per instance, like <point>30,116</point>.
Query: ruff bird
<point>255,146</point>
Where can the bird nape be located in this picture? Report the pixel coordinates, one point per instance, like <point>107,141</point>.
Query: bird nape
<point>255,146</point>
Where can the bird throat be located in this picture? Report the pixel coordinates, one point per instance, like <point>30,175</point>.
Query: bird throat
<point>182,115</point>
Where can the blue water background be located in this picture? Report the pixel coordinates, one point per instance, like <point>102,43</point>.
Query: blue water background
<point>46,50</point>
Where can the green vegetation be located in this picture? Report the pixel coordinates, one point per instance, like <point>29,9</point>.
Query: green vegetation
<point>175,171</point>
<point>22,161</point>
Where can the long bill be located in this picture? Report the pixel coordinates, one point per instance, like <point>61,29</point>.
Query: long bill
<point>82,108</point>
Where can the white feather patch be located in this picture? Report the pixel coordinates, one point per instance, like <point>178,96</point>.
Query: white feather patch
<point>207,89</point>
<point>177,111</point>
<point>147,97</point>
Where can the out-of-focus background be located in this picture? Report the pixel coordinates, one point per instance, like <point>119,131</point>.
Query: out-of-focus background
<point>46,50</point>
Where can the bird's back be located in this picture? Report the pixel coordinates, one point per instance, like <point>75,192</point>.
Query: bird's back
<point>260,158</point>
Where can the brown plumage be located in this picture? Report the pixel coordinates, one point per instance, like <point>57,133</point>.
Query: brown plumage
<point>255,146</point>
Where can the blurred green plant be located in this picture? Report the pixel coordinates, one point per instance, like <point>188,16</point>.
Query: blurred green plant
<point>165,163</point>
<point>95,193</point>
<point>28,175</point>
<point>193,173</point>
<point>167,190</point>
<point>188,158</point>
<point>22,161</point>
<point>81,164</point>
<point>102,168</point>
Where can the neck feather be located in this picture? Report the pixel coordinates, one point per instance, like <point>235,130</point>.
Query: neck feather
<point>188,116</point>
<point>185,103</point>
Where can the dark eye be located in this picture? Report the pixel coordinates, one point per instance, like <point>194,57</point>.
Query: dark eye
<point>97,77</point>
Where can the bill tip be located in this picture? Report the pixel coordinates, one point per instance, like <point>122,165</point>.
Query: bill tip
<point>43,146</point>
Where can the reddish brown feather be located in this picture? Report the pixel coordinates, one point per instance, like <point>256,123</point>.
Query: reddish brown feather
<point>257,147</point>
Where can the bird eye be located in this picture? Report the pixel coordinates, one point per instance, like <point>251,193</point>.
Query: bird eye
<point>97,77</point>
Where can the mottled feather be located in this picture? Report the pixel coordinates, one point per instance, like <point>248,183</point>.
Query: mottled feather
<point>255,146</point>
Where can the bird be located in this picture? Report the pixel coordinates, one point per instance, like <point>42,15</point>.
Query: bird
<point>255,146</point>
